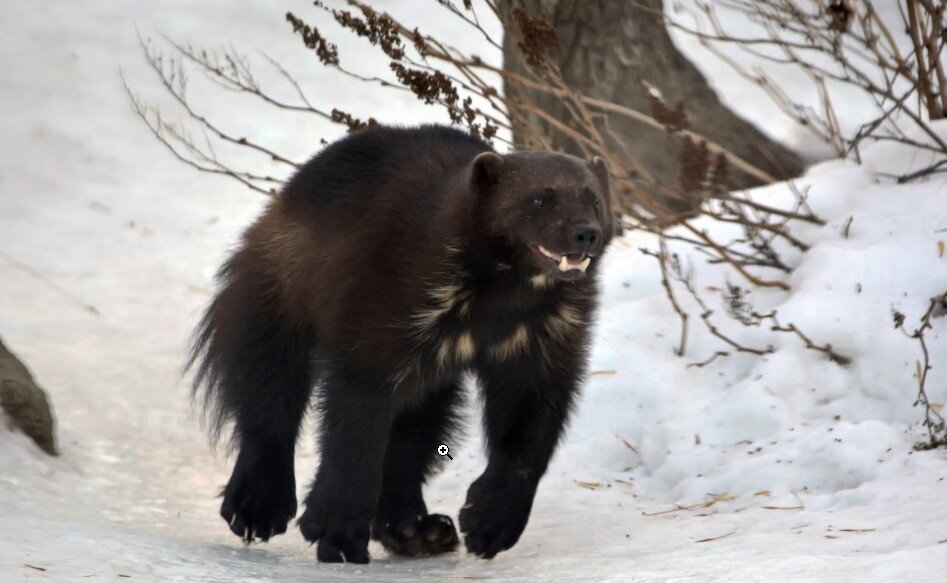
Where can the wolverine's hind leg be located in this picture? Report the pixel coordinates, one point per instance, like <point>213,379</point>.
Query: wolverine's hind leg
<point>256,368</point>
<point>260,498</point>
<point>402,523</point>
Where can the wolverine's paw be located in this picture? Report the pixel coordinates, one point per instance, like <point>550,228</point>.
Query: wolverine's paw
<point>340,537</point>
<point>495,514</point>
<point>259,500</point>
<point>417,535</point>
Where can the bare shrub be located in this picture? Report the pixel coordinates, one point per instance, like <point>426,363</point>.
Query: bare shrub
<point>836,43</point>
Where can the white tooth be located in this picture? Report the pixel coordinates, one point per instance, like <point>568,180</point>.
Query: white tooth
<point>564,264</point>
<point>585,264</point>
<point>547,252</point>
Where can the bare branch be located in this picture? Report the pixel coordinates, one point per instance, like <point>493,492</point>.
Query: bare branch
<point>933,421</point>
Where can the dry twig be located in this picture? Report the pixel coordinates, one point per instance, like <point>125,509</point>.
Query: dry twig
<point>933,420</point>
<point>715,499</point>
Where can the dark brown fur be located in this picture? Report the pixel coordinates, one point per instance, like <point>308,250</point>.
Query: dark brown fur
<point>394,262</point>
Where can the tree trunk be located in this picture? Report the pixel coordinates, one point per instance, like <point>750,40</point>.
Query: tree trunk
<point>24,402</point>
<point>610,49</point>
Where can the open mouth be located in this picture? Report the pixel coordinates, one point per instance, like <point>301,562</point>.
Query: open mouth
<point>567,262</point>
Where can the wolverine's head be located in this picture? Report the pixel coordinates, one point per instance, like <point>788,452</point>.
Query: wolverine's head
<point>553,210</point>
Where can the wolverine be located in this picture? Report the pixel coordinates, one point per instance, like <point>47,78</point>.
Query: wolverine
<point>392,264</point>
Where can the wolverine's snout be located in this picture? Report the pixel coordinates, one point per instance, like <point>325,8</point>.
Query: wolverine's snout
<point>584,237</point>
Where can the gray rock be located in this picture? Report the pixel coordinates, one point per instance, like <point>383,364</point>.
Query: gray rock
<point>25,403</point>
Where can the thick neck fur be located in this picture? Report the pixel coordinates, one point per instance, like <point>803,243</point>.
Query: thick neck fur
<point>494,288</point>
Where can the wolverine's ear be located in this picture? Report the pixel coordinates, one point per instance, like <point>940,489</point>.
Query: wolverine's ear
<point>598,167</point>
<point>485,171</point>
<point>612,221</point>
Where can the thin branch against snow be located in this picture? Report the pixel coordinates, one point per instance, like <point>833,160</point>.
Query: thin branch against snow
<point>171,139</point>
<point>713,499</point>
<point>86,306</point>
<point>712,358</point>
<point>182,147</point>
<point>173,78</point>
<point>662,256</point>
<point>933,421</point>
<point>232,71</point>
<point>793,329</point>
<point>685,276</point>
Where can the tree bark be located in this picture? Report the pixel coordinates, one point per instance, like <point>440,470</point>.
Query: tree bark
<point>610,49</point>
<point>24,402</point>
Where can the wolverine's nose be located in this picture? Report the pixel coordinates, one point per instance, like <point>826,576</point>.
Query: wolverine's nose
<point>585,236</point>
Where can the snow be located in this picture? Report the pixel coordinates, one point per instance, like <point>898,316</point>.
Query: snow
<point>811,463</point>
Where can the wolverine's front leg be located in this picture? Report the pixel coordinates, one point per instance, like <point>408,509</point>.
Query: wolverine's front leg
<point>402,523</point>
<point>526,409</point>
<point>356,414</point>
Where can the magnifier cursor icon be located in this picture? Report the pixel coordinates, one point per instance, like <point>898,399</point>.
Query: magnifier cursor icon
<point>442,450</point>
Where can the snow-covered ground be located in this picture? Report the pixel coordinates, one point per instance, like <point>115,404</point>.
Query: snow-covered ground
<point>810,463</point>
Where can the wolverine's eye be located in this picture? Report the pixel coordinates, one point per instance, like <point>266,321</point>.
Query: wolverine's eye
<point>544,199</point>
